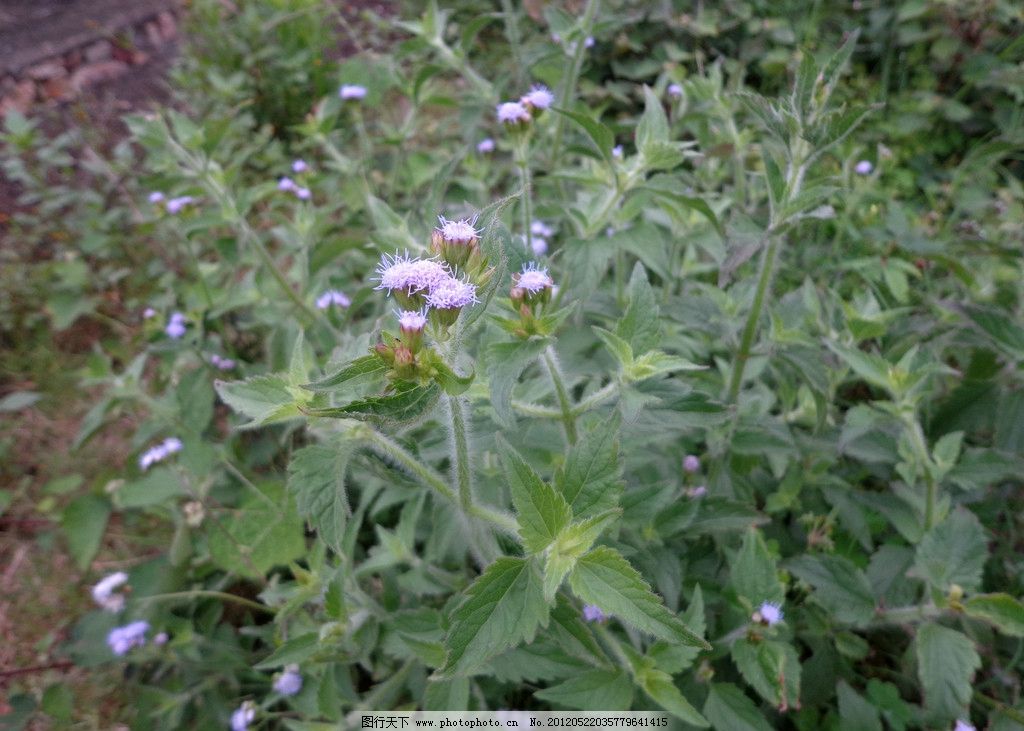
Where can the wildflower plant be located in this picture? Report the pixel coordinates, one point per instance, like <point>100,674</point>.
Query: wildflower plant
<point>614,424</point>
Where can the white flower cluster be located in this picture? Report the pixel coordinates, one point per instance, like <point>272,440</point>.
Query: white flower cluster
<point>105,595</point>
<point>160,452</point>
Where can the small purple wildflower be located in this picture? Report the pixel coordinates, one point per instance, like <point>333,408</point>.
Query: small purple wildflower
<point>299,166</point>
<point>539,245</point>
<point>352,91</point>
<point>161,639</point>
<point>864,167</point>
<point>593,613</point>
<point>457,232</point>
<point>303,194</point>
<point>148,313</point>
<point>243,716</point>
<point>485,146</point>
<point>534,279</point>
<point>771,613</point>
<point>962,725</point>
<point>617,152</point>
<point>286,184</point>
<point>451,294</point>
<point>103,593</point>
<point>156,197</point>
<point>512,113</point>
<point>122,639</point>
<point>413,320</point>
<point>289,682</point>
<point>221,363</point>
<point>176,205</point>
<point>675,90</point>
<point>539,228</point>
<point>160,452</point>
<point>691,463</point>
<point>696,492</point>
<point>538,97</point>
<point>588,42</point>
<point>332,297</point>
<point>175,325</point>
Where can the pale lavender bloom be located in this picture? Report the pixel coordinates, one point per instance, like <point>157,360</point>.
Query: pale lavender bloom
<point>243,716</point>
<point>122,639</point>
<point>412,320</point>
<point>222,363</point>
<point>160,452</point>
<point>156,197</point>
<point>556,38</point>
<point>457,232</point>
<point>394,271</point>
<point>289,682</point>
<point>538,97</point>
<point>675,90</point>
<point>175,205</point>
<point>962,725</point>
<point>771,613</point>
<point>148,313</point>
<point>588,42</point>
<point>427,275</point>
<point>103,593</point>
<point>452,294</point>
<point>534,279</point>
<point>172,445</point>
<point>303,194</point>
<point>539,245</point>
<point>332,297</point>
<point>539,228</point>
<point>410,275</point>
<point>286,184</point>
<point>617,152</point>
<point>691,463</point>
<point>175,326</point>
<point>864,167</point>
<point>485,145</point>
<point>696,492</point>
<point>161,639</point>
<point>512,113</point>
<point>299,166</point>
<point>593,613</point>
<point>352,91</point>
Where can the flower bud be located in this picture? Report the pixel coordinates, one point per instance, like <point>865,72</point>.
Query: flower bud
<point>411,325</point>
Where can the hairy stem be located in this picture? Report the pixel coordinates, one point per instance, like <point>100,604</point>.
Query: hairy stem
<point>460,453</point>
<point>564,402</point>
<point>523,163</point>
<point>739,364</point>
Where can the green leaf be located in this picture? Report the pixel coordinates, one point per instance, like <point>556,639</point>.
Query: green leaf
<point>754,573</point>
<point>505,363</point>
<point>639,325</point>
<point>446,694</point>
<point>670,188</point>
<point>360,368</point>
<point>602,137</point>
<point>653,125</point>
<point>594,690</point>
<point>953,552</point>
<point>946,661</point>
<point>19,400</point>
<point>503,607</point>
<point>729,709</point>
<point>295,650</point>
<point>84,521</point>
<point>157,486</point>
<point>316,477</point>
<point>590,479</point>
<point>617,346</point>
<point>409,402</point>
<point>264,532</point>
<point>872,368</point>
<point>195,400</point>
<point>450,381</point>
<point>1004,332</point>
<point>572,542</point>
<point>660,688</point>
<point>856,713</point>
<point>672,657</point>
<point>1002,611</point>
<point>771,668</point>
<point>264,399</point>
<point>840,587</point>
<point>542,513</point>
<point>603,577</point>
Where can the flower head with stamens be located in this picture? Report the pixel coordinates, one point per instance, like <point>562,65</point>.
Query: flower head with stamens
<point>538,98</point>
<point>539,228</point>
<point>455,241</point>
<point>104,592</point>
<point>691,463</point>
<point>286,184</point>
<point>593,613</point>
<point>122,639</point>
<point>535,279</point>
<point>289,682</point>
<point>243,716</point>
<point>447,298</point>
<point>675,90</point>
<point>156,197</point>
<point>513,114</point>
<point>485,146</point>
<point>457,232</point>
<point>864,167</point>
<point>412,320</point>
<point>299,166</point>
<point>175,205</point>
<point>175,326</point>
<point>769,613</point>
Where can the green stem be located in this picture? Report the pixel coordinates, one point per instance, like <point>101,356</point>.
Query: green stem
<point>739,364</point>
<point>380,691</point>
<point>460,453</point>
<point>568,89</point>
<point>1000,707</point>
<point>512,33</point>
<point>931,486</point>
<point>564,402</point>
<point>210,594</point>
<point>523,162</point>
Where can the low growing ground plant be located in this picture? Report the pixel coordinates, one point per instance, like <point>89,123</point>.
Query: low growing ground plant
<point>544,364</point>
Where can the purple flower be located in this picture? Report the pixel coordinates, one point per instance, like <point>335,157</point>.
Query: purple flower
<point>161,639</point>
<point>538,97</point>
<point>534,279</point>
<point>148,313</point>
<point>864,167</point>
<point>696,492</point>
<point>485,145</point>
<point>222,363</point>
<point>962,725</point>
<point>412,320</point>
<point>352,91</point>
<point>156,197</point>
<point>457,232</point>
<point>539,228</point>
<point>332,297</point>
<point>512,113</point>
<point>588,42</point>
<point>617,152</point>
<point>123,639</point>
<point>243,716</point>
<point>175,205</point>
<point>593,613</point>
<point>175,325</point>
<point>691,463</point>
<point>299,166</point>
<point>289,682</point>
<point>539,245</point>
<point>303,194</point>
<point>675,90</point>
<point>771,613</point>
<point>451,294</point>
<point>159,453</point>
<point>103,593</point>
<point>286,184</point>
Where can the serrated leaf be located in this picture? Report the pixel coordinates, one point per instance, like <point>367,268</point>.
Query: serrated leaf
<point>1002,611</point>
<point>672,657</point>
<point>452,383</point>
<point>870,367</point>
<point>1004,332</point>
<point>603,577</point>
<point>660,688</point>
<point>653,126</point>
<point>840,587</point>
<point>264,399</point>
<point>316,477</point>
<point>639,325</point>
<point>855,712</point>
<point>295,650</point>
<point>594,690</point>
<point>265,531</point>
<point>590,478</point>
<point>572,542</point>
<point>503,607</point>
<point>754,574</point>
<point>771,668</point>
<point>365,367</point>
<point>409,402</point>
<point>505,363</point>
<point>953,552</point>
<point>84,522</point>
<point>730,709</point>
<point>946,661</point>
<point>601,136</point>
<point>541,511</point>
<point>617,346</point>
